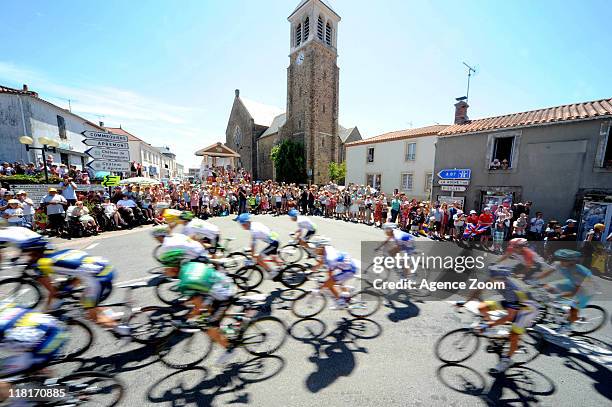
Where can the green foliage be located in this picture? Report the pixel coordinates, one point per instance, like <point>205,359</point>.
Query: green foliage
<point>289,163</point>
<point>29,179</point>
<point>337,172</point>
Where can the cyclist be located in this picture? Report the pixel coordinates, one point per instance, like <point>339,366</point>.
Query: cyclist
<point>204,232</point>
<point>175,218</point>
<point>261,232</point>
<point>340,268</point>
<point>577,284</point>
<point>30,342</point>
<point>519,251</point>
<point>94,272</point>
<point>401,241</point>
<point>520,309</point>
<point>175,248</point>
<point>306,230</point>
<point>207,287</point>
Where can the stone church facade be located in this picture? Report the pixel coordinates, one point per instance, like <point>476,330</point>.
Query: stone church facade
<point>311,116</point>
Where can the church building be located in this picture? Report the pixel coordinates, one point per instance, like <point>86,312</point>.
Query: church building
<point>311,116</point>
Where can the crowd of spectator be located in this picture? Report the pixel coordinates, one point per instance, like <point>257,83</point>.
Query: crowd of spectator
<point>54,169</point>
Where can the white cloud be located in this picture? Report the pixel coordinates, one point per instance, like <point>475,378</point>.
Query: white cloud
<point>155,121</point>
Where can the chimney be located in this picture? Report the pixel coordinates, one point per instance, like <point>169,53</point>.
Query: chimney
<point>101,124</point>
<point>461,108</point>
<point>25,87</point>
<point>237,92</point>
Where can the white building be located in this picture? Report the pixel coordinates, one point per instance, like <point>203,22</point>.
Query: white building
<point>24,113</point>
<point>397,161</point>
<point>168,166</point>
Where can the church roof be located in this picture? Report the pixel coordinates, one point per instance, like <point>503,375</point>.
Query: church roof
<point>344,133</point>
<point>277,123</point>
<point>303,2</point>
<point>217,150</point>
<point>261,114</point>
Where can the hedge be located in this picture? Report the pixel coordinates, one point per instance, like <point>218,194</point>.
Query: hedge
<point>28,179</point>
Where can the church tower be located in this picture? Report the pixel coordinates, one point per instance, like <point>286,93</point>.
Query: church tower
<point>312,86</point>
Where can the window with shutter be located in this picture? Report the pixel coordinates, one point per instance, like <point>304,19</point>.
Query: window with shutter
<point>320,28</point>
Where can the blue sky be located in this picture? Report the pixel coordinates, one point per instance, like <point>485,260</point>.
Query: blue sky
<point>167,70</point>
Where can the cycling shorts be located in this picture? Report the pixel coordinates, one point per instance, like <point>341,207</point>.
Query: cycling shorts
<point>581,298</point>
<point>526,313</point>
<point>309,234</point>
<point>270,249</point>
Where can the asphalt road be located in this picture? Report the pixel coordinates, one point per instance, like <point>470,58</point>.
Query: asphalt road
<point>334,360</point>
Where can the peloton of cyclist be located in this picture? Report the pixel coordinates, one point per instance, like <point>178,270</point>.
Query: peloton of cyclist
<point>527,261</point>
<point>210,289</point>
<point>577,284</point>
<point>204,232</point>
<point>260,232</point>
<point>306,230</point>
<point>340,268</point>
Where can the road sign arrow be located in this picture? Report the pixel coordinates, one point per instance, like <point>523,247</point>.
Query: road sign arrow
<point>104,165</point>
<point>454,173</point>
<point>106,154</point>
<point>106,144</point>
<point>99,135</point>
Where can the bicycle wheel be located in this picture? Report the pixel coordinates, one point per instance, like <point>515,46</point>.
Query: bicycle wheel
<point>20,291</point>
<point>156,253</point>
<point>183,350</point>
<point>167,292</point>
<point>309,304</point>
<point>293,275</point>
<point>80,338</point>
<point>248,277</point>
<point>530,346</point>
<point>291,253</point>
<point>234,261</point>
<point>457,345</point>
<point>364,303</point>
<point>92,389</point>
<point>590,319</point>
<point>151,324</point>
<point>264,336</point>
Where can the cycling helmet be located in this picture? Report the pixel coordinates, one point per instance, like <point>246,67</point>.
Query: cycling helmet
<point>499,271</point>
<point>171,258</point>
<point>186,215</point>
<point>171,215</point>
<point>567,254</point>
<point>243,218</point>
<point>160,231</point>
<point>34,244</point>
<point>518,242</point>
<point>321,241</point>
<point>389,226</point>
<point>293,213</point>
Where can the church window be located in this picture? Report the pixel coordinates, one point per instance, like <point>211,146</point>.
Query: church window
<point>237,136</point>
<point>306,28</point>
<point>298,35</point>
<point>328,34</point>
<point>320,28</point>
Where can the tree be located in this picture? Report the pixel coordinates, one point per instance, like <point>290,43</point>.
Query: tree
<point>337,172</point>
<point>289,163</point>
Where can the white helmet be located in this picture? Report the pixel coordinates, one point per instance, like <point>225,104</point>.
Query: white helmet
<point>389,226</point>
<point>321,241</point>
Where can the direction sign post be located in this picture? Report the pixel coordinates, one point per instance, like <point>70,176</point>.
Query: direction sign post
<point>463,173</point>
<point>453,188</point>
<point>111,180</point>
<point>110,152</point>
<point>454,182</point>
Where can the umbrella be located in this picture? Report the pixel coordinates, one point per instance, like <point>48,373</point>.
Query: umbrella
<point>139,181</point>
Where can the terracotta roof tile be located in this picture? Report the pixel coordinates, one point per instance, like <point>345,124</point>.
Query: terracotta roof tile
<point>120,131</point>
<point>401,134</point>
<point>6,89</point>
<point>575,111</point>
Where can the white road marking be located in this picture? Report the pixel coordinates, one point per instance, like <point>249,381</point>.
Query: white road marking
<point>135,280</point>
<point>91,246</point>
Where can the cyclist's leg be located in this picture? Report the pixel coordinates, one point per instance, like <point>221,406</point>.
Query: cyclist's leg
<point>524,319</point>
<point>218,309</point>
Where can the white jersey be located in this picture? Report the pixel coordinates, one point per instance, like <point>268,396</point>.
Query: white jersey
<point>338,260</point>
<point>261,232</point>
<point>201,228</point>
<point>306,224</point>
<point>178,241</point>
<point>403,239</point>
<point>17,234</point>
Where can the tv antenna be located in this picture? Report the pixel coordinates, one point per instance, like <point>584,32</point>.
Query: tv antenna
<point>471,71</point>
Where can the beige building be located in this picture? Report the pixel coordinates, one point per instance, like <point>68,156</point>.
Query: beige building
<point>397,161</point>
<point>311,116</point>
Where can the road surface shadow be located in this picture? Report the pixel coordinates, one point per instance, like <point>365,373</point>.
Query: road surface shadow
<point>196,386</point>
<point>334,353</point>
<point>517,386</point>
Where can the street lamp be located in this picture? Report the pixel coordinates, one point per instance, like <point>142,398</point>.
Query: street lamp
<point>47,145</point>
